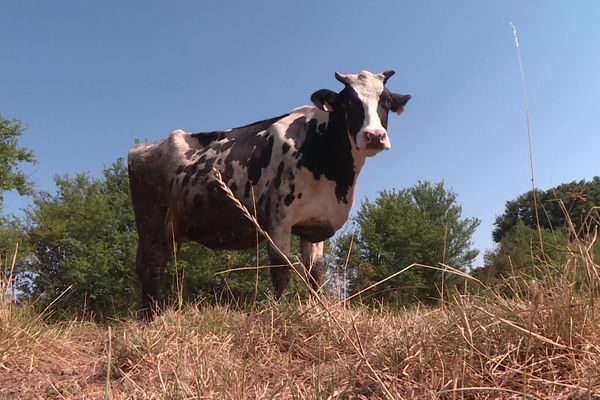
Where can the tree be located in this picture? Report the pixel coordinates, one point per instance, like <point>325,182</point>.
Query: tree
<point>11,155</point>
<point>12,231</point>
<point>201,276</point>
<point>579,199</point>
<point>566,212</point>
<point>421,224</point>
<point>83,243</point>
<point>520,252</point>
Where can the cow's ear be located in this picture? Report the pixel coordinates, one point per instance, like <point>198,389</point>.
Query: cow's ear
<point>398,102</point>
<point>325,99</point>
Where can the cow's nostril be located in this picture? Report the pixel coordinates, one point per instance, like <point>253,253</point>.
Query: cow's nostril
<point>375,136</point>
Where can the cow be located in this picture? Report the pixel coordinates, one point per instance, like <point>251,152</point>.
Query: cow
<point>296,173</point>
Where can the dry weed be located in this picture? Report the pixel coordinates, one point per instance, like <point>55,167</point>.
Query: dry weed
<point>525,338</point>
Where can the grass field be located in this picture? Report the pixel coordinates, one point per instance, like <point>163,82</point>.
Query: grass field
<point>522,338</point>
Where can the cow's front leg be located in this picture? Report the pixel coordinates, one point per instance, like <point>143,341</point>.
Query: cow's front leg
<point>312,257</point>
<point>280,274</point>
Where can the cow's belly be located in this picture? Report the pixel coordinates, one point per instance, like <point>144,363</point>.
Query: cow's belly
<point>227,240</point>
<point>314,230</point>
<point>229,232</point>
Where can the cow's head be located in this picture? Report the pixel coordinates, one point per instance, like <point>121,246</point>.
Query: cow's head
<point>364,103</point>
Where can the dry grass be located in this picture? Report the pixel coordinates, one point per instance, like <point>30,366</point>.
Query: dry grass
<point>541,342</point>
<point>524,338</point>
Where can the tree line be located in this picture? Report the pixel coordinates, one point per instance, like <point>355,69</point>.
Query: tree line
<point>78,244</point>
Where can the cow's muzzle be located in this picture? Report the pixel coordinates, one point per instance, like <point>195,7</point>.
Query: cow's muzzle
<point>376,139</point>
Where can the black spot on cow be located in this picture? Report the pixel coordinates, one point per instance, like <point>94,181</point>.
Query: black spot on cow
<point>277,179</point>
<point>267,183</point>
<point>197,178</point>
<point>289,199</point>
<point>247,189</point>
<point>224,145</point>
<point>179,169</point>
<point>278,204</point>
<point>352,115</point>
<point>189,154</point>
<point>189,170</point>
<point>285,148</point>
<point>299,196</point>
<point>329,154</point>
<point>227,172</point>
<point>233,187</point>
<point>207,167</point>
<point>248,139</point>
<point>259,159</point>
<point>206,138</point>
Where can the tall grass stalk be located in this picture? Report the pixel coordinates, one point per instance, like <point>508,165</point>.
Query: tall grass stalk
<point>529,134</point>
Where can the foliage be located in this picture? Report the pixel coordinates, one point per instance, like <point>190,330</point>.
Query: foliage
<point>197,274</point>
<point>83,240</point>
<point>422,225</point>
<point>579,199</point>
<point>567,213</point>
<point>11,155</point>
<point>13,246</point>
<point>521,252</point>
<point>12,232</point>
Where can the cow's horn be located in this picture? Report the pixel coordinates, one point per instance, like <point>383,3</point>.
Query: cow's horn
<point>342,78</point>
<point>387,75</point>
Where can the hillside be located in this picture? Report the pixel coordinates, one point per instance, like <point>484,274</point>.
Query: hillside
<point>522,338</point>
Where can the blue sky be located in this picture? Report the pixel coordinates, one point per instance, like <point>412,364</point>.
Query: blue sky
<point>89,78</point>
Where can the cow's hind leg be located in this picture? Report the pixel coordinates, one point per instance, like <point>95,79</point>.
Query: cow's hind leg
<point>152,256</point>
<point>312,257</point>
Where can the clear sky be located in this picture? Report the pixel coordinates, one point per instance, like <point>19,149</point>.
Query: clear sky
<point>88,78</point>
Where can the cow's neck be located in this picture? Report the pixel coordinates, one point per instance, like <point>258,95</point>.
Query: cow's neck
<point>328,153</point>
<point>343,150</point>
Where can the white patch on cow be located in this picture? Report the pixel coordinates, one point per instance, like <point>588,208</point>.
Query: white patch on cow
<point>368,87</point>
<point>319,201</point>
<point>240,176</point>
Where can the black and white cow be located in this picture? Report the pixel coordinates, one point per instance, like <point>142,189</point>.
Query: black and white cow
<point>300,170</point>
